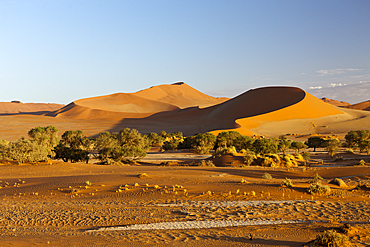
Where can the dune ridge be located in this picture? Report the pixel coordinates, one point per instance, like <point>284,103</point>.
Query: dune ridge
<point>365,106</point>
<point>181,95</point>
<point>137,105</point>
<point>336,102</point>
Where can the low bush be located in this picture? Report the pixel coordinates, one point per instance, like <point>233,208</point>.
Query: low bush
<point>362,163</point>
<point>249,157</point>
<point>318,189</point>
<point>287,183</point>
<point>331,238</point>
<point>266,176</point>
<point>350,151</point>
<point>206,163</point>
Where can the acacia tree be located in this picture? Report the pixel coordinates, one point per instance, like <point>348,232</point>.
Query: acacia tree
<point>121,147</point>
<point>226,139</point>
<point>264,146</point>
<point>202,143</point>
<point>297,146</point>
<point>74,146</point>
<point>355,137</point>
<point>315,142</point>
<point>243,142</point>
<point>154,138</point>
<point>283,145</point>
<point>38,148</point>
<point>23,151</point>
<point>364,146</point>
<point>332,146</point>
<point>45,137</point>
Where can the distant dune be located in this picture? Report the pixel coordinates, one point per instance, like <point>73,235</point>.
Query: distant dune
<point>18,107</point>
<point>336,102</point>
<point>361,106</point>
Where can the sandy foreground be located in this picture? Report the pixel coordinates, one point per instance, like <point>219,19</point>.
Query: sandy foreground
<point>65,204</point>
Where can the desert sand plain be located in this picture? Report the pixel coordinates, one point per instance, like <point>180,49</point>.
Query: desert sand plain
<point>151,204</point>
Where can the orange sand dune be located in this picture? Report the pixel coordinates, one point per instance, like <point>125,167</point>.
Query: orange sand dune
<point>18,107</point>
<point>335,102</point>
<point>269,111</point>
<point>137,105</point>
<point>121,102</point>
<point>361,106</point>
<point>244,113</point>
<point>180,94</point>
<point>74,111</point>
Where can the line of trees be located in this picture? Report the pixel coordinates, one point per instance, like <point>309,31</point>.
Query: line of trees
<point>129,144</point>
<point>44,144</point>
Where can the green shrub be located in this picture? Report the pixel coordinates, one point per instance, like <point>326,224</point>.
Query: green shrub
<point>287,183</point>
<point>121,147</point>
<point>306,156</point>
<point>350,151</point>
<point>264,146</point>
<point>226,139</point>
<point>170,145</point>
<point>206,163</point>
<point>74,146</point>
<point>249,157</point>
<point>267,161</point>
<point>266,176</point>
<point>362,163</point>
<point>225,150</point>
<point>298,157</point>
<point>318,189</point>
<point>290,160</point>
<point>24,151</point>
<point>203,143</point>
<point>332,146</point>
<point>297,146</point>
<point>45,137</point>
<point>331,238</point>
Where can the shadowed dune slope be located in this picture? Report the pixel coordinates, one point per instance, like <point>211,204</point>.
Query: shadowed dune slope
<point>74,111</point>
<point>11,108</point>
<point>122,102</point>
<point>242,113</point>
<point>361,106</point>
<point>252,103</point>
<point>269,104</point>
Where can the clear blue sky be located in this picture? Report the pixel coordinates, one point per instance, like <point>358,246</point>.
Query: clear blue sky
<point>60,51</point>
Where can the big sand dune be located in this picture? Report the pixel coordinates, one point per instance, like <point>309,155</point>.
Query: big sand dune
<point>268,111</point>
<point>144,103</point>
